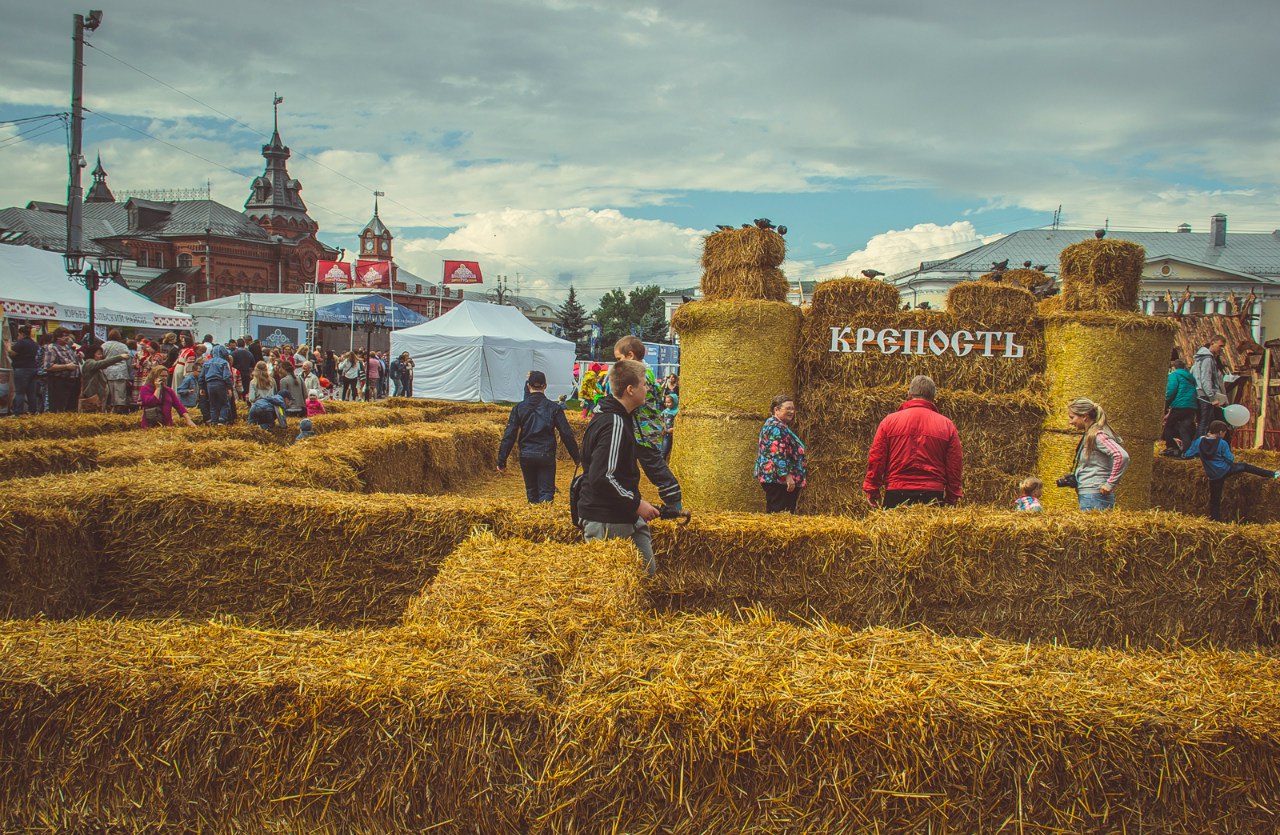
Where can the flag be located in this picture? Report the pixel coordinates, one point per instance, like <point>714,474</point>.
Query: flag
<point>462,272</point>
<point>333,272</point>
<point>373,274</point>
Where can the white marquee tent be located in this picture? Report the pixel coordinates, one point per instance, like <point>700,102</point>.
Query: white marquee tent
<point>34,285</point>
<point>485,352</point>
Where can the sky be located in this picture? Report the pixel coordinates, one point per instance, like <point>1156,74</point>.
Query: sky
<point>596,143</point>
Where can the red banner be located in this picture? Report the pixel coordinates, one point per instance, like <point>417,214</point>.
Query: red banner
<point>462,272</point>
<point>373,274</point>
<point>333,272</point>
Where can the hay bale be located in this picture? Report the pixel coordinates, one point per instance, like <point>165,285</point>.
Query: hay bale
<point>714,459</point>
<point>1102,275</point>
<point>1019,277</point>
<point>744,247</point>
<point>25,459</point>
<point>735,356</point>
<point>156,727</point>
<point>1119,360</point>
<point>1051,305</point>
<point>767,283</point>
<point>46,565</point>
<point>51,425</point>
<point>536,602</point>
<point>989,303</point>
<point>872,368</point>
<point>1057,458</point>
<point>711,724</point>
<point>841,298</point>
<point>416,458</point>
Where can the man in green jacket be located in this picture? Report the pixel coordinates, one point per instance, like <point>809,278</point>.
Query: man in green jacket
<point>1180,410</point>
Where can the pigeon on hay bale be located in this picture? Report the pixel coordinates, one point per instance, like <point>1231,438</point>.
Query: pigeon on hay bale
<point>872,273</point>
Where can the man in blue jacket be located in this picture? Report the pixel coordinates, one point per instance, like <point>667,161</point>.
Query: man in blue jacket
<point>1180,401</point>
<point>215,378</point>
<point>270,410</point>
<point>534,423</point>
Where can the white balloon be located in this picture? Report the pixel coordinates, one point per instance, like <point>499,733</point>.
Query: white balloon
<point>1236,414</point>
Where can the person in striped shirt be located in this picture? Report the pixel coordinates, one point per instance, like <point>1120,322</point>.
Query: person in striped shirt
<point>1100,459</point>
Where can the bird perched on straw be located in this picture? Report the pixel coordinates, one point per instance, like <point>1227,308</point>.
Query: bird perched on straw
<point>1000,266</point>
<point>871,273</point>
<point>1044,289</point>
<point>723,228</point>
<point>764,223</point>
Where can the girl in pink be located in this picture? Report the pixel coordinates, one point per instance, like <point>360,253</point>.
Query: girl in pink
<point>314,406</point>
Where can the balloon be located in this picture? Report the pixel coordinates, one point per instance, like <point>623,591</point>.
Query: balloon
<point>1236,414</point>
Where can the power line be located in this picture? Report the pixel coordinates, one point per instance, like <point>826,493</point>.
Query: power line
<point>34,118</point>
<point>29,134</point>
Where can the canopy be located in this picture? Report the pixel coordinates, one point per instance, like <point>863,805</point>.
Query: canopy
<point>34,285</point>
<point>480,351</point>
<point>332,309</point>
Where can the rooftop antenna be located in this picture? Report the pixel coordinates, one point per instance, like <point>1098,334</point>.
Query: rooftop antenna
<point>1057,217</point>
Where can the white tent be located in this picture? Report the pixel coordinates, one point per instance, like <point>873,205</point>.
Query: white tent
<point>34,285</point>
<point>481,351</point>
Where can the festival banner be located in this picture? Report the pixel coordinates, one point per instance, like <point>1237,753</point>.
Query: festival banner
<point>373,274</point>
<point>462,272</point>
<point>333,272</point>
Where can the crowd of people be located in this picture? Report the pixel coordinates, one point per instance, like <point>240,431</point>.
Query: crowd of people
<point>162,379</point>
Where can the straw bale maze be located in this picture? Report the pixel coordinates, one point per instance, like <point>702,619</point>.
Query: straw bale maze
<point>373,632</point>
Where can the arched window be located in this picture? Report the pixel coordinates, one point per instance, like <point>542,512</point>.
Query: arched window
<point>184,259</point>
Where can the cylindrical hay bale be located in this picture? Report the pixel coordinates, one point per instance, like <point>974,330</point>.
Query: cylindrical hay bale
<point>749,246</point>
<point>1102,275</point>
<point>766,283</point>
<point>1119,360</point>
<point>714,459</point>
<point>736,356</point>
<point>1057,458</point>
<point>843,297</point>
<point>989,303</point>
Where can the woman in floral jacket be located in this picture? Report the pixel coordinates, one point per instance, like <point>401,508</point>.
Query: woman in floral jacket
<point>780,463</point>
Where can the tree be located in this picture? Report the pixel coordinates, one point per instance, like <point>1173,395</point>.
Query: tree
<point>573,323</point>
<point>640,312</point>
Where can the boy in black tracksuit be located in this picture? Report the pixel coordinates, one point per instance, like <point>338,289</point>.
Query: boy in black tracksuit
<point>610,505</point>
<point>536,420</point>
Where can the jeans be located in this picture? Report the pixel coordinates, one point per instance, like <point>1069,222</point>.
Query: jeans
<point>1181,425</point>
<point>1093,500</point>
<point>777,499</point>
<point>24,390</point>
<point>1216,485</point>
<point>219,405</point>
<point>637,532</point>
<point>539,479</point>
<point>655,467</point>
<point>666,446</point>
<point>1209,412</point>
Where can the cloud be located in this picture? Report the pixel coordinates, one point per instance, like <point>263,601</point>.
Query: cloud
<point>902,249</point>
<point>550,249</point>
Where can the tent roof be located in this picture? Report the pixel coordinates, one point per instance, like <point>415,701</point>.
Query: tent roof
<point>34,285</point>
<point>472,320</point>
<point>331,309</point>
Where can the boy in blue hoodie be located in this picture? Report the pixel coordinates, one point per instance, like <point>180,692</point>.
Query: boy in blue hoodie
<point>1219,464</point>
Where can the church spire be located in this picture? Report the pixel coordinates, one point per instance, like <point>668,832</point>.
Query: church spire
<point>274,200</point>
<point>98,192</point>
<point>375,238</point>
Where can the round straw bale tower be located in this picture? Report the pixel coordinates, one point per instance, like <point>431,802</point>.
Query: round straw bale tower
<point>735,357</point>
<point>743,264</point>
<point>1098,348</point>
<point>1102,274</point>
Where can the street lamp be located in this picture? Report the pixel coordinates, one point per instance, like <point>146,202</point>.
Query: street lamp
<point>369,316</point>
<point>91,279</point>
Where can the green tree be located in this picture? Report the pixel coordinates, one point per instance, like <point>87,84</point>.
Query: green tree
<point>573,323</point>
<point>621,314</point>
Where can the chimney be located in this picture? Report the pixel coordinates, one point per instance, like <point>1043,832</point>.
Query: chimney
<point>1184,227</point>
<point>1218,230</point>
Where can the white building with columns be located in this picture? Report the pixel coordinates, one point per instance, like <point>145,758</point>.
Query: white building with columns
<point>1205,268</point>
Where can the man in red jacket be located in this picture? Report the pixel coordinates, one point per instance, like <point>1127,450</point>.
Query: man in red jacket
<point>916,455</point>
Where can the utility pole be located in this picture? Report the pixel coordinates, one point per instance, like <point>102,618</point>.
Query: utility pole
<point>75,194</point>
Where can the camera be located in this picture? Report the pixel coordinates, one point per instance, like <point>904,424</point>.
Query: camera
<point>1068,480</point>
